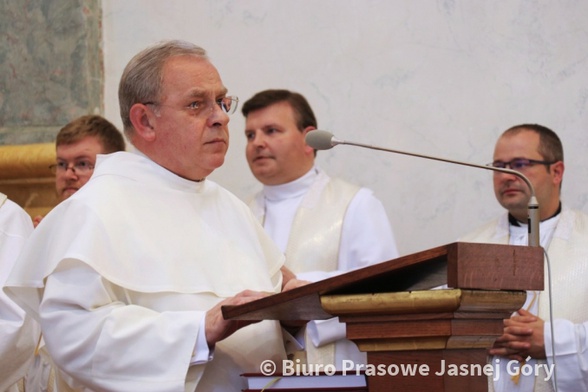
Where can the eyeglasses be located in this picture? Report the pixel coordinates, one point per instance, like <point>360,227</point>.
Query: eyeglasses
<point>80,167</point>
<point>519,164</point>
<point>227,104</point>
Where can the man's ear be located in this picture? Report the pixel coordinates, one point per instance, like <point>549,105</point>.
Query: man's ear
<point>307,148</point>
<point>558,171</point>
<point>143,119</point>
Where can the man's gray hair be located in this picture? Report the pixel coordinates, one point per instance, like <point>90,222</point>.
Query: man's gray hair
<point>142,78</point>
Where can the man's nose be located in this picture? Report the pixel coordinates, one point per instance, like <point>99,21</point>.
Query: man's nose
<point>506,177</point>
<point>258,139</point>
<point>70,172</point>
<point>217,115</point>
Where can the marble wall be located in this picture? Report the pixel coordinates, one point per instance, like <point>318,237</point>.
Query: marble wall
<point>52,70</point>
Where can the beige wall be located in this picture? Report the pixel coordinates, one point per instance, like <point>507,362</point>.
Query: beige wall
<point>441,77</point>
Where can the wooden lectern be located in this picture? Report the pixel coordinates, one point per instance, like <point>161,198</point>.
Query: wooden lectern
<point>437,338</point>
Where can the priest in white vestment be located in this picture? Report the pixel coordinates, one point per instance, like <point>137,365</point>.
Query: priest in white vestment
<point>537,152</point>
<point>325,226</point>
<point>127,276</point>
<point>19,332</point>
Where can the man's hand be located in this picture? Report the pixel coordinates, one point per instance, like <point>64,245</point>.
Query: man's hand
<point>523,337</point>
<point>217,328</point>
<point>294,283</point>
<point>287,276</point>
<point>289,280</point>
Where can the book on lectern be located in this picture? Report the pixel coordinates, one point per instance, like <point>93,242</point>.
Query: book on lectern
<point>320,382</point>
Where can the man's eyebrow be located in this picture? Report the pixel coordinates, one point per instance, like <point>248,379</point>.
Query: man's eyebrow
<point>76,158</point>
<point>196,93</point>
<point>199,93</point>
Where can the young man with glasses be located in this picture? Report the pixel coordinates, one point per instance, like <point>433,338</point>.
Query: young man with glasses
<point>127,277</point>
<point>325,226</point>
<point>76,147</point>
<point>537,152</point>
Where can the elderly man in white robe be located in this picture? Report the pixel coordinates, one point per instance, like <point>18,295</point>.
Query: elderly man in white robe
<point>19,332</point>
<point>537,152</point>
<point>127,276</point>
<point>325,226</point>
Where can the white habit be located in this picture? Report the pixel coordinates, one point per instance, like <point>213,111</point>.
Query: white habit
<point>18,332</point>
<point>120,276</point>
<point>565,237</point>
<point>326,227</point>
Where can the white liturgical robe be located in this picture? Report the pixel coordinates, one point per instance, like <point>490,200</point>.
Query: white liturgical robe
<point>365,234</point>
<point>120,276</point>
<point>565,237</point>
<point>18,332</point>
<point>326,227</point>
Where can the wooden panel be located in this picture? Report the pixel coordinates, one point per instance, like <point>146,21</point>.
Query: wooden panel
<point>495,268</point>
<point>391,381</point>
<point>419,271</point>
<point>490,327</point>
<point>25,176</point>
<point>439,362</point>
<point>303,303</point>
<point>399,329</point>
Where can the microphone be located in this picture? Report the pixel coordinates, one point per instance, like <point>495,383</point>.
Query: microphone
<point>324,140</point>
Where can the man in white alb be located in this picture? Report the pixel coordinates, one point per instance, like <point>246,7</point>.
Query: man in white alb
<point>19,333</point>
<point>325,226</point>
<point>128,291</point>
<point>537,152</point>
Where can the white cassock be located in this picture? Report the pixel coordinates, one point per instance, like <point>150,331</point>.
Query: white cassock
<point>120,276</point>
<point>326,227</point>
<point>18,332</point>
<point>565,237</point>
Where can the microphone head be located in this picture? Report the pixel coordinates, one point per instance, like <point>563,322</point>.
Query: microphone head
<point>320,140</point>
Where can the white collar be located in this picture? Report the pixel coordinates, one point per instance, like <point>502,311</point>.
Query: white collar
<point>140,167</point>
<point>292,189</point>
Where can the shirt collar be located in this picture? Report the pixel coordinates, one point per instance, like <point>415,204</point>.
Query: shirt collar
<point>515,222</point>
<point>292,189</point>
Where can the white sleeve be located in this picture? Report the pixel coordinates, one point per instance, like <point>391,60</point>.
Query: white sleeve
<point>18,332</point>
<point>202,352</point>
<point>571,354</point>
<point>108,345</point>
<point>367,236</point>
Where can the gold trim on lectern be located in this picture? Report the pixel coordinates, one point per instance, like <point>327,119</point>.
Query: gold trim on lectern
<point>428,301</point>
<point>392,303</point>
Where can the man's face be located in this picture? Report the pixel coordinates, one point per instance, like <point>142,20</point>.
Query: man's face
<point>190,128</point>
<point>276,150</point>
<point>79,158</point>
<point>511,192</point>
